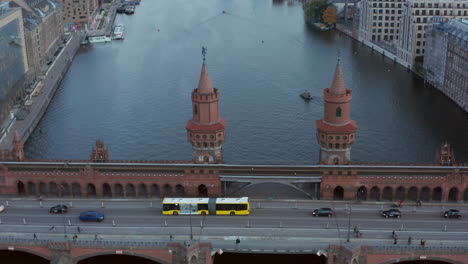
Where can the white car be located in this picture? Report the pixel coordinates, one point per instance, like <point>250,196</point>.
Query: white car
<point>2,208</point>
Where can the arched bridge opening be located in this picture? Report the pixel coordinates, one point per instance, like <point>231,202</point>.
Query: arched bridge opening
<point>250,258</point>
<point>118,259</point>
<point>425,260</point>
<point>17,256</point>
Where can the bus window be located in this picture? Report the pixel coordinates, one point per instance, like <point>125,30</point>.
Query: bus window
<point>170,207</point>
<point>203,207</point>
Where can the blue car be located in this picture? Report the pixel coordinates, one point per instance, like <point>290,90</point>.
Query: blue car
<point>92,216</point>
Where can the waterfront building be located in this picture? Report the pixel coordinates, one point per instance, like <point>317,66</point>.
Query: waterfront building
<point>446,59</point>
<point>77,14</point>
<point>44,31</point>
<point>336,132</point>
<point>13,58</point>
<point>415,19</point>
<point>380,21</point>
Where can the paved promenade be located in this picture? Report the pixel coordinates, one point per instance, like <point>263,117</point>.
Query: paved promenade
<point>51,81</point>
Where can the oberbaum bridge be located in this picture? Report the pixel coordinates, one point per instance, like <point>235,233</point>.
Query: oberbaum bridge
<point>335,178</point>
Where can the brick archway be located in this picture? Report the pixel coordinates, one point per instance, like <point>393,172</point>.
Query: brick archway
<point>418,260</point>
<point>103,253</point>
<point>374,193</point>
<point>425,194</point>
<point>106,190</point>
<point>413,193</point>
<point>338,193</point>
<point>53,189</point>
<point>179,190</point>
<point>362,193</point>
<point>400,193</point>
<point>118,190</point>
<point>437,194</point>
<point>142,191</point>
<point>29,251</point>
<point>65,189</point>
<point>154,191</point>
<point>130,190</point>
<point>167,191</point>
<point>21,188</point>
<point>453,194</point>
<point>387,193</point>
<point>202,191</point>
<point>76,189</point>
<point>32,188</point>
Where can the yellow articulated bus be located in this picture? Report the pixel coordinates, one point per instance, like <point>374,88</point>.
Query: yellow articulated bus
<point>205,206</point>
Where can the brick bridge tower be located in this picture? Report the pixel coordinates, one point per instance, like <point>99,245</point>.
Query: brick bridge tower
<point>206,130</point>
<point>336,132</point>
<point>18,147</point>
<point>445,155</point>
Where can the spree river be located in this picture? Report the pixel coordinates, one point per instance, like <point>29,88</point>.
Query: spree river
<point>135,94</point>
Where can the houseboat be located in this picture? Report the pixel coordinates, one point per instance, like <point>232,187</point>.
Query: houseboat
<point>98,39</point>
<point>119,31</point>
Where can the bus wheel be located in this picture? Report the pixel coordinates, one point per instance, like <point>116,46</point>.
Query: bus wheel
<point>203,213</point>
<point>232,213</point>
<point>175,213</point>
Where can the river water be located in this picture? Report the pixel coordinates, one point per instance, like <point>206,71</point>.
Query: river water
<point>135,94</point>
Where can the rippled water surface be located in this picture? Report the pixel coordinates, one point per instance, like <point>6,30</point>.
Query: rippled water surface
<point>135,94</point>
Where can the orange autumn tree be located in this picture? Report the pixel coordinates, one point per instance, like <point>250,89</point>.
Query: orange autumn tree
<point>329,15</point>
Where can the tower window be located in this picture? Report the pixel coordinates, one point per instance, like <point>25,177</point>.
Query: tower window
<point>338,111</point>
<point>337,145</point>
<point>195,109</point>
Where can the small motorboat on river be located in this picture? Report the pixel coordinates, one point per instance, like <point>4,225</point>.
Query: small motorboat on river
<point>306,95</point>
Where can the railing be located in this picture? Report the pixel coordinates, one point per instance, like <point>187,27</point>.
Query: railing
<point>10,241</point>
<point>418,249</point>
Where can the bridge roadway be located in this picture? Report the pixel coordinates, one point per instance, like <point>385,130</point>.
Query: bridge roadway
<point>279,225</point>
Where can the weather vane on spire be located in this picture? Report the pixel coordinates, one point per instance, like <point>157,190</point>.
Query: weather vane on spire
<point>338,52</point>
<point>203,52</point>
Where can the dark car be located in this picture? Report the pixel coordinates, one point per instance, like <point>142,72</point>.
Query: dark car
<point>58,209</point>
<point>121,9</point>
<point>391,213</point>
<point>92,216</point>
<point>322,212</point>
<point>452,213</point>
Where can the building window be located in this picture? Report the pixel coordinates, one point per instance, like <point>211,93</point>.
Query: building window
<point>195,109</point>
<point>338,112</point>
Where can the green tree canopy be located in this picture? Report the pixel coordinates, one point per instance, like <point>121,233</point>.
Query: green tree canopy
<point>313,9</point>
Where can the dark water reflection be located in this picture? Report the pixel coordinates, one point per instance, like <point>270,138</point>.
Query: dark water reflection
<point>135,94</point>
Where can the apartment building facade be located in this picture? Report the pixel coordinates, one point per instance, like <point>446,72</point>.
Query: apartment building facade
<point>77,13</point>
<point>380,20</point>
<point>416,17</point>
<point>13,58</point>
<point>44,30</point>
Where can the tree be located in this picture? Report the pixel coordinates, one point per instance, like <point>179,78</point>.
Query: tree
<point>329,16</point>
<point>313,10</point>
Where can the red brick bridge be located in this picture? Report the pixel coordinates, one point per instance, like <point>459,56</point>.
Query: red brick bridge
<point>78,252</point>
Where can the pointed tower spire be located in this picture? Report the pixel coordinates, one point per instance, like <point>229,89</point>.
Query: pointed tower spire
<point>18,147</point>
<point>206,129</point>
<point>338,84</point>
<point>204,85</point>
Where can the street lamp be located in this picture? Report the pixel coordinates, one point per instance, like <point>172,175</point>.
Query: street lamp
<point>190,219</point>
<point>63,216</point>
<point>349,224</point>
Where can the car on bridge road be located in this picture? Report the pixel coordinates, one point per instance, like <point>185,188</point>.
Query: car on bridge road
<point>323,212</point>
<point>452,213</point>
<point>92,216</point>
<point>58,209</point>
<point>391,213</point>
